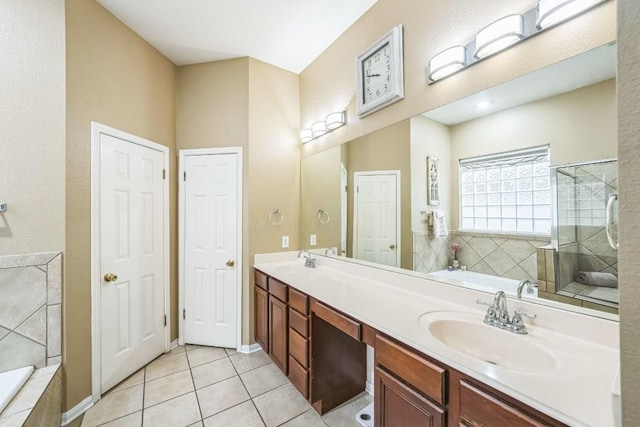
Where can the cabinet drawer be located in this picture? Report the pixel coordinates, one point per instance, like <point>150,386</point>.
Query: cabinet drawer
<point>299,348</point>
<point>338,320</point>
<point>261,280</point>
<point>299,301</point>
<point>278,289</point>
<point>478,408</point>
<point>299,377</point>
<point>417,371</point>
<point>299,323</point>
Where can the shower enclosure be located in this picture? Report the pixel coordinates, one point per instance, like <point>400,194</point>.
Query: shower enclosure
<point>585,232</point>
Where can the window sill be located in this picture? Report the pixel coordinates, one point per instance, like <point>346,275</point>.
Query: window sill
<point>504,235</point>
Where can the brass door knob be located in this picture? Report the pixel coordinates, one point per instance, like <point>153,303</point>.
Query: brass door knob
<point>392,247</point>
<point>231,263</point>
<point>110,277</point>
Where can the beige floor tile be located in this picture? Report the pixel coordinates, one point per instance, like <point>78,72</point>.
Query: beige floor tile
<point>177,350</point>
<point>220,396</point>
<point>132,420</point>
<point>212,372</point>
<point>166,365</point>
<point>242,415</point>
<point>263,379</point>
<point>203,355</point>
<point>134,379</point>
<point>114,405</point>
<point>198,424</point>
<point>308,419</point>
<point>189,347</point>
<point>15,420</point>
<point>167,388</point>
<point>230,351</point>
<point>281,405</point>
<point>247,362</point>
<point>179,412</point>
<point>345,415</point>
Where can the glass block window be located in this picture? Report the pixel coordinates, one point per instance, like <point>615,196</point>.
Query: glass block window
<point>507,192</point>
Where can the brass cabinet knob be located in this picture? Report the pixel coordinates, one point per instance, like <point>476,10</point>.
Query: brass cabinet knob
<point>231,263</point>
<point>392,246</point>
<point>110,277</point>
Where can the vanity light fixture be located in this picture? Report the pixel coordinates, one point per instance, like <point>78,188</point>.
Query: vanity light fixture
<point>335,120</point>
<point>305,135</point>
<point>552,12</point>
<point>506,32</point>
<point>318,128</point>
<point>499,35</point>
<point>447,62</point>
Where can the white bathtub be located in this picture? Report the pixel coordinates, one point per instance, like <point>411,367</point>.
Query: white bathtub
<point>11,382</point>
<point>482,282</point>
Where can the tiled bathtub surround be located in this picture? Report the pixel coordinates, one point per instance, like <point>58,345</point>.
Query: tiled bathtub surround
<point>30,310</point>
<point>430,253</point>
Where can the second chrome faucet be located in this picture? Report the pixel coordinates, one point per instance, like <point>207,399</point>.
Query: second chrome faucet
<point>498,315</point>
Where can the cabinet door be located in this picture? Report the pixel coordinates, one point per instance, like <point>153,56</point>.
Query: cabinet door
<point>261,305</point>
<point>278,328</point>
<point>398,405</point>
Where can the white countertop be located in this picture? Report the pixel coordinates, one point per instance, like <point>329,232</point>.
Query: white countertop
<point>577,392</point>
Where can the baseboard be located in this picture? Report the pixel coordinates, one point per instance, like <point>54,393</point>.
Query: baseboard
<point>368,387</point>
<point>76,411</point>
<point>173,344</point>
<point>246,349</point>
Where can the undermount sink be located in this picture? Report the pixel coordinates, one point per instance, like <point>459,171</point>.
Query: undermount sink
<point>465,334</point>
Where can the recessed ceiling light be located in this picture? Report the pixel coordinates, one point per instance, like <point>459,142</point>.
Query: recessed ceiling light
<point>483,105</point>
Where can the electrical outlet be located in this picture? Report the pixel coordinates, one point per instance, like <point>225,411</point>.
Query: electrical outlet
<point>285,242</point>
<point>312,240</point>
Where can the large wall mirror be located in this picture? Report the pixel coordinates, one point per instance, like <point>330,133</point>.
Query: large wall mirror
<point>522,172</point>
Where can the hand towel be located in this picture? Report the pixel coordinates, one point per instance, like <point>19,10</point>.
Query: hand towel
<point>439,224</point>
<point>594,278</point>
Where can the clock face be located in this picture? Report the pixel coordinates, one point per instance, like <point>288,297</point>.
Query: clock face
<point>376,74</point>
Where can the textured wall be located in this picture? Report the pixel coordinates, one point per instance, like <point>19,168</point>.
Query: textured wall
<point>629,185</point>
<point>32,84</point>
<point>117,79</point>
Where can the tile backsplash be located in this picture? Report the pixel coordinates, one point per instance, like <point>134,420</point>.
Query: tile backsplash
<point>30,310</point>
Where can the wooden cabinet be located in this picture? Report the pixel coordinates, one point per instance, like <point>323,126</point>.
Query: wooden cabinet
<point>299,339</point>
<point>396,404</point>
<point>410,390</point>
<point>261,300</point>
<point>278,333</point>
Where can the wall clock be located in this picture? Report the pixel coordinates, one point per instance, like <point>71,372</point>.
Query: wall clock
<point>381,74</point>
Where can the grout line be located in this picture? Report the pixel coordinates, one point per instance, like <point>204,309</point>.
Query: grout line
<point>195,390</point>
<point>115,419</point>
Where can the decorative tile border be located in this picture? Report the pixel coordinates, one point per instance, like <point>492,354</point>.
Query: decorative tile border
<point>31,322</point>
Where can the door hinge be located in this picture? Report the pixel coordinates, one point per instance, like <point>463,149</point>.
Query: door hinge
<point>184,176</point>
<point>165,320</point>
<point>184,313</point>
<point>164,174</point>
<point>358,189</point>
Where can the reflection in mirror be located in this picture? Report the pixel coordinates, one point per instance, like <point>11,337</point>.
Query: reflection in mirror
<point>500,216</point>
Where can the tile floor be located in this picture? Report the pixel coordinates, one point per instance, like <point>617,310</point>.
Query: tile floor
<point>209,386</point>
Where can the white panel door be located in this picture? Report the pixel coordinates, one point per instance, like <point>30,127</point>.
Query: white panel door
<point>132,250</point>
<point>376,218</point>
<point>210,250</point>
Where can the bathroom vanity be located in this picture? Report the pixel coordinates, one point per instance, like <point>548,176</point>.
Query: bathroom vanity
<point>315,323</point>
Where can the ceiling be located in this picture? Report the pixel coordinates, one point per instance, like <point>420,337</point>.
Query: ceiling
<point>289,34</point>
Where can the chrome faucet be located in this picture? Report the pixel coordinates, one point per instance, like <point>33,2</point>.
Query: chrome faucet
<point>326,251</point>
<point>308,261</point>
<point>521,285</point>
<point>498,315</point>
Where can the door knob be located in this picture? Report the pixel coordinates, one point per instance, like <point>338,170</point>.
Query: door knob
<point>392,246</point>
<point>110,277</point>
<point>231,263</point>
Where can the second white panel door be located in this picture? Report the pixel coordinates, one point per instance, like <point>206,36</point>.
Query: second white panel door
<point>210,250</point>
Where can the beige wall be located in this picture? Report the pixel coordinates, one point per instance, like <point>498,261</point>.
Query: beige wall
<point>429,27</point>
<point>247,103</point>
<point>388,149</point>
<point>32,84</point>
<point>320,189</point>
<point>429,138</point>
<point>117,79</point>
<point>580,126</point>
<point>629,187</point>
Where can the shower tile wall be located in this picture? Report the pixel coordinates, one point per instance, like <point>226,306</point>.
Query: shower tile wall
<point>30,310</point>
<point>430,253</point>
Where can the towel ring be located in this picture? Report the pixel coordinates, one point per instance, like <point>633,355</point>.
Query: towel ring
<point>323,217</point>
<point>276,217</point>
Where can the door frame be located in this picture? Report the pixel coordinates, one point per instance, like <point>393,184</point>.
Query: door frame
<point>356,175</point>
<point>96,359</point>
<point>183,154</point>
